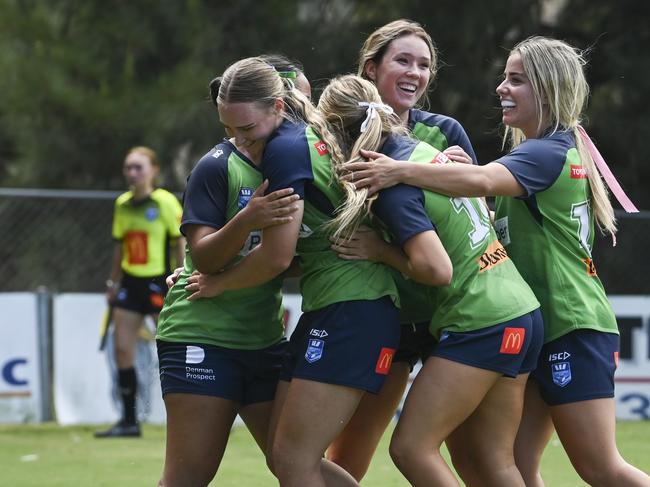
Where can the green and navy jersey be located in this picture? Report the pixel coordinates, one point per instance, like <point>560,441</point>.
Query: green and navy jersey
<point>549,233</point>
<point>218,188</point>
<point>486,288</point>
<point>439,131</point>
<point>296,157</point>
<point>146,228</point>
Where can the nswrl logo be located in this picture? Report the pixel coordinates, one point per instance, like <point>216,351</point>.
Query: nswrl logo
<point>561,373</point>
<point>245,195</point>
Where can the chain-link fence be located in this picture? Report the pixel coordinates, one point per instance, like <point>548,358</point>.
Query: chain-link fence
<point>62,240</point>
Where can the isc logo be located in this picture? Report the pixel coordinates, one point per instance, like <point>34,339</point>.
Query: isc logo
<point>318,333</point>
<point>558,356</point>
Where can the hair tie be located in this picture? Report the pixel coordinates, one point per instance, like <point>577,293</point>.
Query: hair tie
<point>288,74</point>
<point>371,111</point>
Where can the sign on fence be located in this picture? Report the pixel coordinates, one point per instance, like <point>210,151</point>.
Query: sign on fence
<point>20,387</point>
<point>82,378</point>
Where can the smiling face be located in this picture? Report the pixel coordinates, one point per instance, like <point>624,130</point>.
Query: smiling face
<point>249,124</point>
<point>402,75</point>
<point>518,103</point>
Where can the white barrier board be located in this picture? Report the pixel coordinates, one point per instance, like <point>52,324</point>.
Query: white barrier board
<point>82,380</point>
<point>20,387</point>
<point>632,377</point>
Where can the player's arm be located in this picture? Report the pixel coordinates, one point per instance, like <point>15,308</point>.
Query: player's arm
<point>266,261</point>
<point>380,171</point>
<point>178,247</point>
<point>212,248</point>
<point>113,281</point>
<point>422,257</point>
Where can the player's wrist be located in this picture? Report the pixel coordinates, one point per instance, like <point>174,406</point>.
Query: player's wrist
<point>111,284</point>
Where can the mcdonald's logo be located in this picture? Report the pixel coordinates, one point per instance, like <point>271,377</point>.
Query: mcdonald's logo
<point>513,340</point>
<point>385,361</point>
<point>137,247</point>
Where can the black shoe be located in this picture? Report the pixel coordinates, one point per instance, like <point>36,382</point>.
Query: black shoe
<point>120,429</point>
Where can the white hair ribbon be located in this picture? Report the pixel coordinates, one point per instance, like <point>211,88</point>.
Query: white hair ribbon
<point>371,111</point>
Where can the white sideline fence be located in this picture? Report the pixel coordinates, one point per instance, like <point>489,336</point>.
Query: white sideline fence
<point>51,367</point>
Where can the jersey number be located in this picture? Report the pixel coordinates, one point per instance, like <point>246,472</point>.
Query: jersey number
<point>580,213</point>
<point>479,218</point>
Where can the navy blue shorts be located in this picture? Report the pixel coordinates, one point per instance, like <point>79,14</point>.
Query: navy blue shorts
<point>350,343</point>
<point>511,348</point>
<point>577,367</point>
<point>415,343</point>
<point>243,376</point>
<point>144,295</point>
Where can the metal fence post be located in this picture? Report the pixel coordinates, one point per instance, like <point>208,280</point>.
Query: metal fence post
<point>44,324</point>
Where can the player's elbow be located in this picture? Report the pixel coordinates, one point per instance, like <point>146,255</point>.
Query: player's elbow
<point>484,185</point>
<point>434,273</point>
<point>204,265</point>
<point>279,262</point>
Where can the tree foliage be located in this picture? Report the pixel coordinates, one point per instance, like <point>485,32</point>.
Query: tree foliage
<point>84,81</point>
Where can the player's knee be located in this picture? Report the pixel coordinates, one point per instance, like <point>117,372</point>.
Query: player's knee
<point>601,473</point>
<point>401,451</point>
<point>279,458</point>
<point>463,465</point>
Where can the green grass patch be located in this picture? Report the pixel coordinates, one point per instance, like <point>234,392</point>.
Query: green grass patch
<point>50,455</point>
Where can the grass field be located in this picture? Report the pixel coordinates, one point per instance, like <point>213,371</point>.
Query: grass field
<point>50,455</point>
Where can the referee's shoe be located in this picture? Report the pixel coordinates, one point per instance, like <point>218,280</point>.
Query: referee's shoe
<point>120,430</point>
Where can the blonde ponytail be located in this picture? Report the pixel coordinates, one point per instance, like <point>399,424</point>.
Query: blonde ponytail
<point>342,106</point>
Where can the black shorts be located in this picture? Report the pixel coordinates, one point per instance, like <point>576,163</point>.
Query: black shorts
<point>144,295</point>
<point>351,343</point>
<point>415,343</point>
<point>511,348</point>
<point>243,376</point>
<point>578,366</point>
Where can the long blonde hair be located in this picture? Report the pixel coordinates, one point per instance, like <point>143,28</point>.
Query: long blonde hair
<point>340,105</point>
<point>377,44</point>
<point>255,80</point>
<point>556,73</point>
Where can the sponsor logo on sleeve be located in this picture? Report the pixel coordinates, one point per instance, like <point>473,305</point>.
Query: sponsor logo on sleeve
<point>321,147</point>
<point>384,361</point>
<point>512,341</point>
<point>578,172</point>
<point>440,159</point>
<point>494,255</point>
